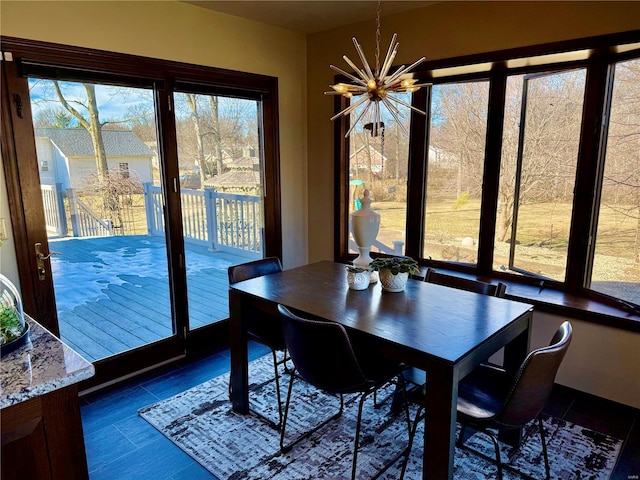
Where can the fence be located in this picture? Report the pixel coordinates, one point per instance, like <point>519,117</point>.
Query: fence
<point>221,221</point>
<point>84,222</point>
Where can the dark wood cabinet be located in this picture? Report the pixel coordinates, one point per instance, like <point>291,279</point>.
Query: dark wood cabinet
<point>42,438</point>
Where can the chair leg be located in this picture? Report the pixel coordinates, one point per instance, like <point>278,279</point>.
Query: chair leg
<point>356,442</point>
<point>497,449</point>
<point>402,384</point>
<point>412,434</point>
<point>544,448</point>
<point>277,380</point>
<point>285,448</point>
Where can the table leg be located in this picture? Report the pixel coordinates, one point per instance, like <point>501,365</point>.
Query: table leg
<point>440,426</point>
<point>239,354</point>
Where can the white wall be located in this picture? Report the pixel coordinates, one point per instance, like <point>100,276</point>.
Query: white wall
<point>8,264</point>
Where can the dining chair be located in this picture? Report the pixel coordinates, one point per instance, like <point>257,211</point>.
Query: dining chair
<point>264,327</point>
<point>323,356</point>
<point>491,398</point>
<point>476,286</point>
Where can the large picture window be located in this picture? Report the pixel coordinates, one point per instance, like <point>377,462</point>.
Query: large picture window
<point>525,169</point>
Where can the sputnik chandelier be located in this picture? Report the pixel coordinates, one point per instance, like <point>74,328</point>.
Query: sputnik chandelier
<point>376,86</point>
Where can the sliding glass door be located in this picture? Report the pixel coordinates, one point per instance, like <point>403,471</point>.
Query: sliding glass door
<point>134,184</point>
<point>220,160</point>
<point>99,176</point>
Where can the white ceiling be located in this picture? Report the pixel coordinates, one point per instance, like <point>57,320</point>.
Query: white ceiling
<point>308,16</point>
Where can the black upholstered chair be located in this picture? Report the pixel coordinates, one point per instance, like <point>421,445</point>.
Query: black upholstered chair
<point>323,356</point>
<point>264,327</point>
<point>490,398</point>
<point>477,286</point>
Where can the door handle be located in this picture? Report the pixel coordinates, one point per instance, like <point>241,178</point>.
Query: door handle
<point>40,258</point>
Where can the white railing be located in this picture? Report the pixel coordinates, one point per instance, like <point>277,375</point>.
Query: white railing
<point>54,213</point>
<point>221,221</point>
<point>84,222</point>
<point>398,246</point>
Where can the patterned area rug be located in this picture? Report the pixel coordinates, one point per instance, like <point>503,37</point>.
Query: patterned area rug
<point>231,446</point>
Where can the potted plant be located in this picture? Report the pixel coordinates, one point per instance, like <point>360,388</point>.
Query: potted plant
<point>13,329</point>
<point>358,278</point>
<point>394,271</point>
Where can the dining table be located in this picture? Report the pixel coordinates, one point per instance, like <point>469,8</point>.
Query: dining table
<point>445,332</point>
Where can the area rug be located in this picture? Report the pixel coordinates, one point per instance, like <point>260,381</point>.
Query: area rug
<point>231,446</point>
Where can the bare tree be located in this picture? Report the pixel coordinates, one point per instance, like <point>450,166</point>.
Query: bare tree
<point>217,133</point>
<point>192,102</point>
<point>549,157</point>
<point>91,124</point>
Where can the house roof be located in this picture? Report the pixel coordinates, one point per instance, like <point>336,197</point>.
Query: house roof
<point>235,178</point>
<point>241,174</point>
<point>76,142</point>
<point>362,155</point>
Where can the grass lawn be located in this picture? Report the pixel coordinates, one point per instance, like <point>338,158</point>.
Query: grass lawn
<point>543,236</point>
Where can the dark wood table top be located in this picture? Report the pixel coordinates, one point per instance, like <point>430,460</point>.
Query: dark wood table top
<point>433,321</point>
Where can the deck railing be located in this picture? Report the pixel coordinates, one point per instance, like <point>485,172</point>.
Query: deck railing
<point>84,222</point>
<point>221,221</point>
<point>54,213</point>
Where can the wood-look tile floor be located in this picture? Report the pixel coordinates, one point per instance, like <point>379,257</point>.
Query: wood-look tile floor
<point>122,446</point>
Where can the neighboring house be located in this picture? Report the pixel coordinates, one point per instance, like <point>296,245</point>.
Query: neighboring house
<point>242,176</point>
<point>367,158</point>
<point>66,155</point>
<point>443,157</point>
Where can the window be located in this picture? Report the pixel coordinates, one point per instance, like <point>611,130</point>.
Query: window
<point>379,164</point>
<point>454,171</point>
<point>44,165</point>
<point>616,243</point>
<point>124,169</point>
<point>514,173</point>
<point>538,169</point>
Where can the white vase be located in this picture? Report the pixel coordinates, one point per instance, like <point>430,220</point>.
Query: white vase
<point>365,224</point>
<point>391,282</point>
<point>358,280</point>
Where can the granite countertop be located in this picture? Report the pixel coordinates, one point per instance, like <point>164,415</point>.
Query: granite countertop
<point>40,366</point>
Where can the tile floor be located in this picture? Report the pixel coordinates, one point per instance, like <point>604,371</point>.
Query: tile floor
<point>122,446</point>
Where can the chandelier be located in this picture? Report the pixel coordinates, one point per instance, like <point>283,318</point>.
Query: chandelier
<point>376,86</point>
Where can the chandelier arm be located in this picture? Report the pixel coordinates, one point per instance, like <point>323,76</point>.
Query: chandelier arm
<point>401,72</point>
<point>402,102</point>
<point>350,108</point>
<point>362,74</point>
<point>398,122</point>
<point>333,92</point>
<point>365,63</point>
<point>348,75</point>
<point>388,61</point>
<point>364,110</point>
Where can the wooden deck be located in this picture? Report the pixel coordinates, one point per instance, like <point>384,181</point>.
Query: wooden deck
<point>112,293</point>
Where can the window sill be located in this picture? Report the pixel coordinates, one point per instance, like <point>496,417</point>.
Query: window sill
<point>557,302</point>
<point>575,306</point>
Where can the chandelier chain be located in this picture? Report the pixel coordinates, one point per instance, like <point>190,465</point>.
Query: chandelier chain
<point>378,39</point>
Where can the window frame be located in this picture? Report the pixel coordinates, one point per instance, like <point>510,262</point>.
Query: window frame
<point>597,55</point>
